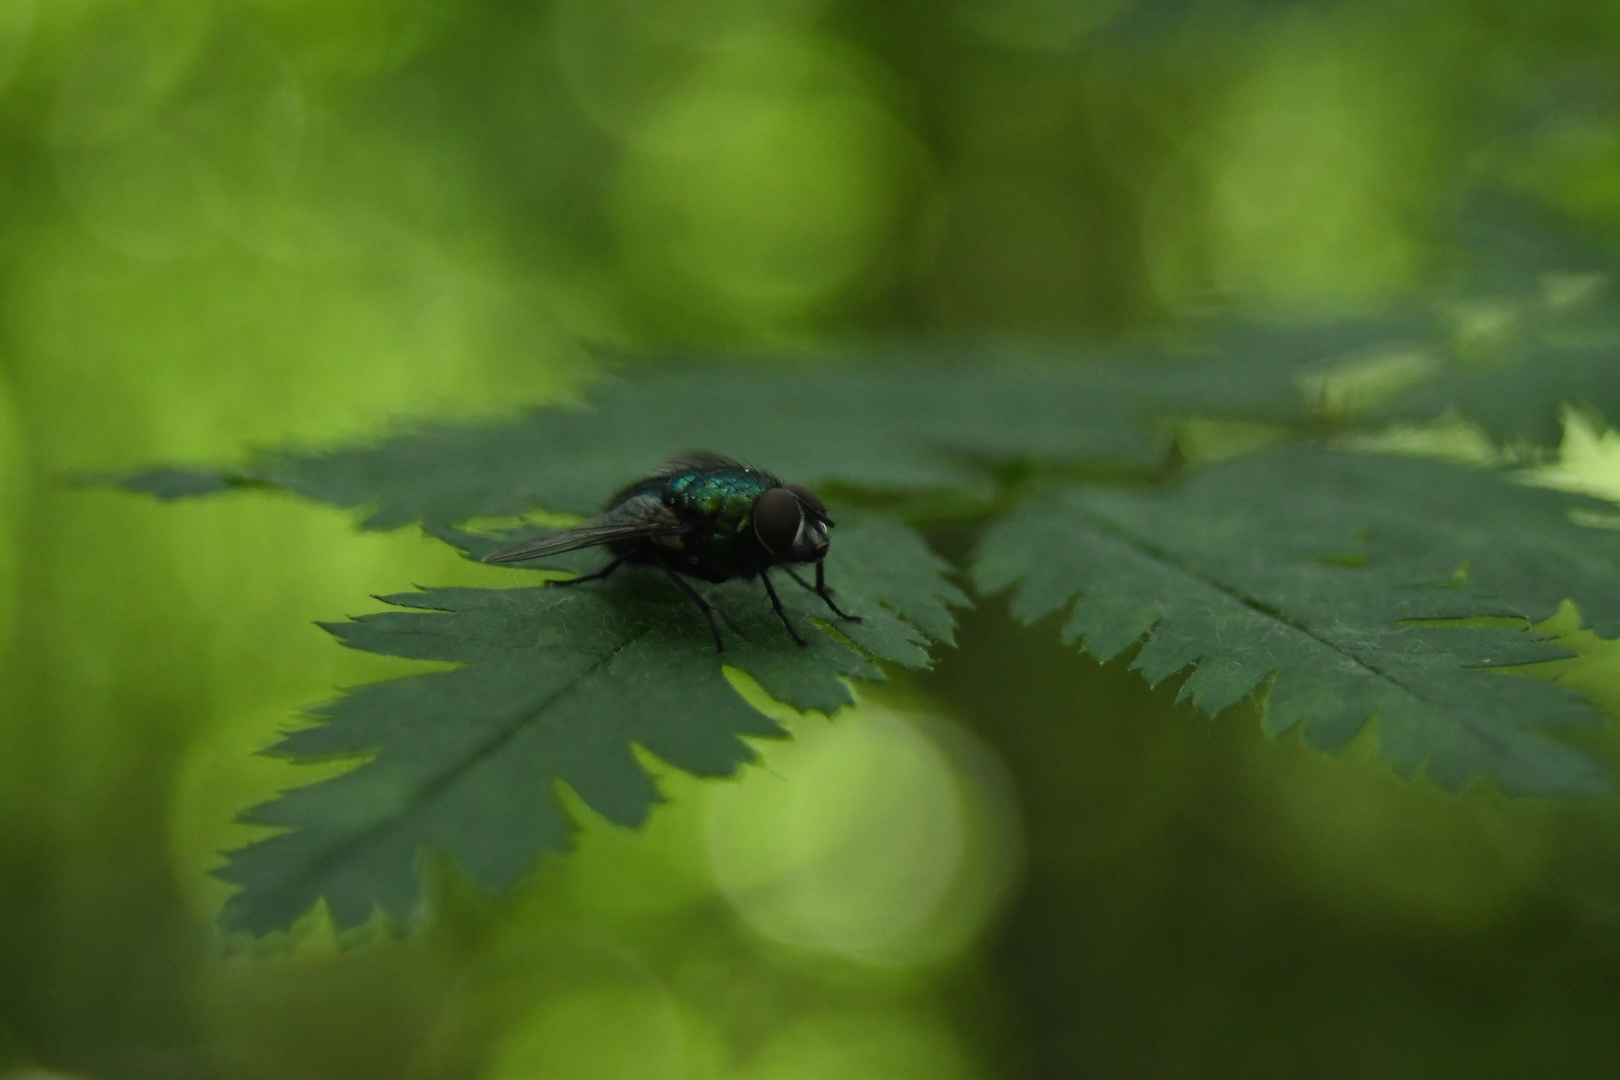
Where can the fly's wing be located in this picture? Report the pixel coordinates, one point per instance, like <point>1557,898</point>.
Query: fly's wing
<point>582,536</point>
<point>641,517</point>
<point>697,461</point>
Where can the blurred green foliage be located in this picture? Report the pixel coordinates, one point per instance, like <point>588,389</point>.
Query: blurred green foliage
<point>251,223</point>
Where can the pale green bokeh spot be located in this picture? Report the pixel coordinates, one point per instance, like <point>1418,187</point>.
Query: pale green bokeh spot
<point>616,1034</point>
<point>878,837</point>
<point>1373,847</point>
<point>337,43</point>
<point>767,186</point>
<point>623,59</point>
<point>1038,25</point>
<point>845,839</point>
<point>130,68</point>
<point>199,359</point>
<point>172,125</point>
<point>14,479</point>
<point>877,1045</point>
<point>1574,164</point>
<point>661,867</point>
<point>598,1014</point>
<point>992,863</point>
<point>1300,192</point>
<point>16,25</point>
<point>618,70</point>
<point>1307,194</point>
<point>717,23</point>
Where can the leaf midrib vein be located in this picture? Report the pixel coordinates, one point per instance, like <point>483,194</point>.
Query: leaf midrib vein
<point>1158,554</point>
<point>443,781</point>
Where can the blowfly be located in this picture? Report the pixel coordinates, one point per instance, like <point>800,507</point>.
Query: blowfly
<point>707,517</point>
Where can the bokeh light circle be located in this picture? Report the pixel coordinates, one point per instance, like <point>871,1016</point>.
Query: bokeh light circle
<point>875,1045</point>
<point>16,26</point>
<point>879,837</point>
<point>623,59</point>
<point>1050,26</point>
<point>1298,191</point>
<point>611,1033</point>
<point>172,127</point>
<point>1374,847</point>
<point>767,187</point>
<point>554,1004</point>
<point>13,506</point>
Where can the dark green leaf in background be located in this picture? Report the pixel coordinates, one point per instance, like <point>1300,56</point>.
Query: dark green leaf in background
<point>556,685</point>
<point>882,427</point>
<point>1312,567</point>
<point>1519,397</point>
<point>1540,329</point>
<point>1508,245</point>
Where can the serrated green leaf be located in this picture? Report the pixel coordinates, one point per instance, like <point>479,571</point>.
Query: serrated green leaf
<point>1508,245</point>
<point>1519,398</point>
<point>1323,571</point>
<point>1550,327</point>
<point>879,427</point>
<point>169,484</point>
<point>1249,572</point>
<point>556,685</point>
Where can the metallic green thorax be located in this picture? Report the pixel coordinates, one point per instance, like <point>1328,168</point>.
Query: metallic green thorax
<point>727,497</point>
<point>720,504</point>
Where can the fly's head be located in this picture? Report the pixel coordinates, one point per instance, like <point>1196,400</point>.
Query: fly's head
<point>791,524</point>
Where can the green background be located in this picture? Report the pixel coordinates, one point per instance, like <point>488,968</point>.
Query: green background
<point>230,225</point>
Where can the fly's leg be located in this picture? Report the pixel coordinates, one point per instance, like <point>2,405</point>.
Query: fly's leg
<point>703,605</point>
<point>820,589</point>
<point>598,576</point>
<point>770,590</point>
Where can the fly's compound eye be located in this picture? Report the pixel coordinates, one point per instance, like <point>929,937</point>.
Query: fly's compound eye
<point>808,498</point>
<point>778,518</point>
